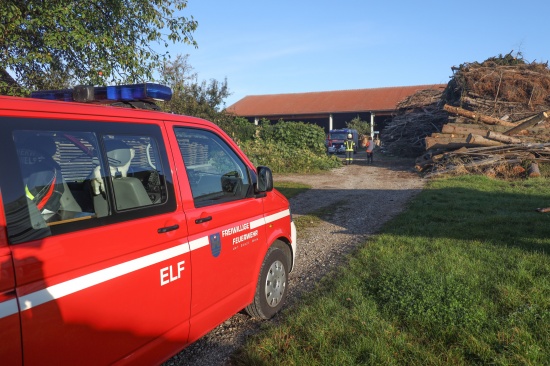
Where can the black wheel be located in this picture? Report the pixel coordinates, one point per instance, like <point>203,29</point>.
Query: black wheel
<point>271,288</point>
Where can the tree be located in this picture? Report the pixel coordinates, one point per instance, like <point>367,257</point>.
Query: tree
<point>362,127</point>
<point>52,44</point>
<point>204,99</point>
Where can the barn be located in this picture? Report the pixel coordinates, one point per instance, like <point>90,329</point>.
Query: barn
<point>328,109</point>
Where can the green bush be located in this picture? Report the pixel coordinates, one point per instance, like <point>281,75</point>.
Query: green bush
<point>239,128</point>
<point>295,135</point>
<point>285,147</point>
<point>282,158</point>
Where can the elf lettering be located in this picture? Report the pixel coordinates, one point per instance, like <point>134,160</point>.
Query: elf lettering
<point>168,274</point>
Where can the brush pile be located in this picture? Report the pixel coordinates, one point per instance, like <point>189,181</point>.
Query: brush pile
<point>418,116</point>
<point>493,118</point>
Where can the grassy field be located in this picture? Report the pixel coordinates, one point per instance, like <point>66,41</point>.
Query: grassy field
<point>461,278</point>
<point>291,189</point>
<point>302,222</point>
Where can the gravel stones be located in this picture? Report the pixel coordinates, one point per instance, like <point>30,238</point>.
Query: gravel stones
<point>359,199</point>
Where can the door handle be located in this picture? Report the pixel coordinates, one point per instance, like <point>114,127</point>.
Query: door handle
<point>168,228</point>
<point>203,219</point>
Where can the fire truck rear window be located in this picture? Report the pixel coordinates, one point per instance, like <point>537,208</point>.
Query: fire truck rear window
<point>69,177</point>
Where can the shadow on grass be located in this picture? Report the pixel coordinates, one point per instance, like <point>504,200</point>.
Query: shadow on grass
<point>501,218</point>
<point>466,208</point>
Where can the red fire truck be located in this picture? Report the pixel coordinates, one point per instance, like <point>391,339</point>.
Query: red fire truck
<point>128,233</point>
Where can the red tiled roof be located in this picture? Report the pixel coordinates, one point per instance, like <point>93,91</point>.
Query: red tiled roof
<point>340,101</point>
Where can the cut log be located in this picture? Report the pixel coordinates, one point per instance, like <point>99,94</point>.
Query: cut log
<point>534,171</point>
<point>427,160</point>
<point>463,129</point>
<point>423,165</point>
<point>445,142</point>
<point>477,116</point>
<point>529,123</point>
<point>503,138</point>
<point>462,150</point>
<point>450,135</point>
<point>481,141</point>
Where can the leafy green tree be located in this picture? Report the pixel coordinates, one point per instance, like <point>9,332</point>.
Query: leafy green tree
<point>52,44</point>
<point>362,127</point>
<point>201,99</point>
<point>191,97</point>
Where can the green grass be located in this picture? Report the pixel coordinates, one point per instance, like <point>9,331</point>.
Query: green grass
<point>291,189</point>
<point>461,278</point>
<point>312,219</point>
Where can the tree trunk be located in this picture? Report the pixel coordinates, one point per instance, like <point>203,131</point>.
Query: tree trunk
<point>503,138</point>
<point>477,116</point>
<point>445,142</point>
<point>534,170</point>
<point>481,141</point>
<point>529,123</point>
<point>463,129</point>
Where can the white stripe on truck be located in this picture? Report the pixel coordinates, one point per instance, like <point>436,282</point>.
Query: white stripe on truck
<point>62,289</point>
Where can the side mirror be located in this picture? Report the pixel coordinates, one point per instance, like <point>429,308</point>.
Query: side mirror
<point>265,179</point>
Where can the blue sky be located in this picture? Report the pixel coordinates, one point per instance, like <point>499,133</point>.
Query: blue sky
<point>294,46</point>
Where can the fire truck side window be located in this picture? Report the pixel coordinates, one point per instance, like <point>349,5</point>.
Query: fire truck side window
<point>71,179</point>
<point>216,174</point>
<point>134,172</point>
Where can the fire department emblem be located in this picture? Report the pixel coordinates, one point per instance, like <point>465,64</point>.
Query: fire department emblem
<point>215,244</point>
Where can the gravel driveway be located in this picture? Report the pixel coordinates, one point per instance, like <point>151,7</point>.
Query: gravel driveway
<point>361,198</point>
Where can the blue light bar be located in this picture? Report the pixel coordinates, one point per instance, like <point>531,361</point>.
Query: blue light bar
<point>147,91</point>
<point>120,93</point>
<point>62,94</point>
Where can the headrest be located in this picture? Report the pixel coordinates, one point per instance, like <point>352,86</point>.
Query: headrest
<point>118,152</point>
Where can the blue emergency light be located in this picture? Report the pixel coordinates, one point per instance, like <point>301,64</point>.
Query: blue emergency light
<point>118,93</point>
<point>61,94</point>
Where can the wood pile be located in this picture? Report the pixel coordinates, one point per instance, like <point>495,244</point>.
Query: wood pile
<point>494,161</point>
<point>493,118</point>
<point>418,116</point>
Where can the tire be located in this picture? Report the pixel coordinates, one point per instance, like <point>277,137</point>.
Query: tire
<point>271,288</point>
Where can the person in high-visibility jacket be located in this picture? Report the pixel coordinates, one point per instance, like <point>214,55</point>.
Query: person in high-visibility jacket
<point>350,146</point>
<point>41,173</point>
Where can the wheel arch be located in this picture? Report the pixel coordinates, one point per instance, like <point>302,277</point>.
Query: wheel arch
<point>270,290</point>
<point>284,244</point>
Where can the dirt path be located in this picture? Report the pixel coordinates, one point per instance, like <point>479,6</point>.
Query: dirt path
<point>360,198</point>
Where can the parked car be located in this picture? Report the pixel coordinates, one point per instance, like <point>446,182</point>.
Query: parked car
<point>127,234</point>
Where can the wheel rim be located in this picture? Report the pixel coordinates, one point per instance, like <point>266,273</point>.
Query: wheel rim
<point>275,283</point>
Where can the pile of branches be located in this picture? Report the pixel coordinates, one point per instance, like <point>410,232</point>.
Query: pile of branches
<point>508,161</point>
<point>505,87</point>
<point>493,118</point>
<point>418,116</point>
